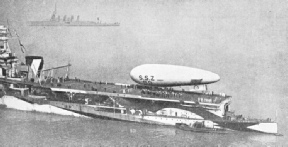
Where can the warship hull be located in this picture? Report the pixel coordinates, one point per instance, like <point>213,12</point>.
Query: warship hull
<point>74,23</point>
<point>123,114</point>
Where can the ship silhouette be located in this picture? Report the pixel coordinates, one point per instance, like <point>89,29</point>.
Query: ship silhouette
<point>69,21</point>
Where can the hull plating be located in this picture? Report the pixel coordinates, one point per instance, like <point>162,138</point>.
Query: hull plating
<point>88,111</point>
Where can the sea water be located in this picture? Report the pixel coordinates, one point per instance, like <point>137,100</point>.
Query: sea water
<point>21,128</point>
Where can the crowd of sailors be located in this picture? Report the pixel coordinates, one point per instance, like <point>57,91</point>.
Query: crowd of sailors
<point>145,91</point>
<point>52,80</point>
<point>161,93</point>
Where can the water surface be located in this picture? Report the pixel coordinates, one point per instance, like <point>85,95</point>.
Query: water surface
<point>20,128</point>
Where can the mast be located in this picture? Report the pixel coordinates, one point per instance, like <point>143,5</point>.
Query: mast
<point>8,60</point>
<point>53,17</point>
<point>4,38</point>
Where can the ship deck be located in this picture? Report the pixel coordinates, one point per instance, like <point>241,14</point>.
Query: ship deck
<point>135,90</point>
<point>127,90</point>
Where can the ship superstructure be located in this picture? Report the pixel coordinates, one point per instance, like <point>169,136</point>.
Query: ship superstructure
<point>8,59</point>
<point>145,103</point>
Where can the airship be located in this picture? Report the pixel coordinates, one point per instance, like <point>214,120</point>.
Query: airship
<point>171,75</point>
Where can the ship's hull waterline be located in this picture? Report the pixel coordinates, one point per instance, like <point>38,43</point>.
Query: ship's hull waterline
<point>91,111</point>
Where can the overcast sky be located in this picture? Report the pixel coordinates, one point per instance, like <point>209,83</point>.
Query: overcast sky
<point>243,41</point>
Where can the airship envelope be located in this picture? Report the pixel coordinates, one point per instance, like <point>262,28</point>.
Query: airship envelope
<point>171,75</point>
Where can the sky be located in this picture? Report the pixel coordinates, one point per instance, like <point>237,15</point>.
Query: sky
<point>243,41</point>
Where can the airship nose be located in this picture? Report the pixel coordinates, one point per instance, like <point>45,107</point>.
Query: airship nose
<point>211,78</point>
<point>133,74</point>
<point>216,77</point>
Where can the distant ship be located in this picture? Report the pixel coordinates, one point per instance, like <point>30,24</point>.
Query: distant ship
<point>66,21</point>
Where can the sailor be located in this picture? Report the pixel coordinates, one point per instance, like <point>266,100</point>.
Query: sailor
<point>173,94</point>
<point>158,93</point>
<point>140,112</point>
<point>163,93</point>
<point>132,111</point>
<point>61,79</point>
<point>66,78</point>
<point>86,101</point>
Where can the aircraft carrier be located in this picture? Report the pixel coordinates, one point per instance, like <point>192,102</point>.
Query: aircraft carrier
<point>29,87</point>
